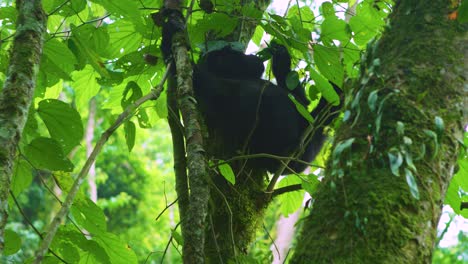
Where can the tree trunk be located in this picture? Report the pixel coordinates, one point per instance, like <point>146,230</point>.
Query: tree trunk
<point>403,119</point>
<point>18,91</point>
<point>90,127</point>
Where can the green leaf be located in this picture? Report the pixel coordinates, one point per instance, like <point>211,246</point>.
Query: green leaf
<point>258,35</point>
<point>324,86</point>
<point>22,176</point>
<point>334,29</point>
<point>69,241</point>
<point>400,128</point>
<point>351,56</point>
<point>131,93</point>
<point>297,16</point>
<point>301,109</point>
<point>340,148</point>
<point>463,12</point>
<point>290,201</point>
<point>63,122</point>
<point>122,8</point>
<point>161,105</point>
<point>327,9</point>
<point>124,38</point>
<point>89,216</point>
<point>118,252</point>
<point>72,8</point>
<point>411,181</point>
<point>409,161</point>
<point>366,24</point>
<point>310,184</point>
<point>250,10</point>
<point>8,14</point>
<point>280,20</point>
<point>178,237</point>
<point>328,62</point>
<point>292,80</point>
<point>458,186</point>
<point>82,42</point>
<point>227,172</point>
<point>46,153</point>
<point>395,162</point>
<point>12,242</point>
<point>130,133</point>
<point>372,100</point>
<point>85,86</point>
<point>439,124</point>
<point>217,23</point>
<point>57,59</point>
<point>431,134</point>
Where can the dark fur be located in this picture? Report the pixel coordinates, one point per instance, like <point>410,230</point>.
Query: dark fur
<point>229,91</point>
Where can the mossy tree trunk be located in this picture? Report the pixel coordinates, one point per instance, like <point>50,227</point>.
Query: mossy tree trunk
<point>17,93</point>
<point>403,114</point>
<point>236,211</point>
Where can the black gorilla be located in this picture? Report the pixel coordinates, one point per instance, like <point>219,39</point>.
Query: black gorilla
<point>225,62</point>
<point>250,115</point>
<point>281,66</point>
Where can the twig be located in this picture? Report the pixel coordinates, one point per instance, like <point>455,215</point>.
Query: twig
<point>165,209</point>
<point>38,233</point>
<point>290,188</point>
<point>168,243</point>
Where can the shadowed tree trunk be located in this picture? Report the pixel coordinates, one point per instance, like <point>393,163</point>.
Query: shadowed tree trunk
<point>396,151</point>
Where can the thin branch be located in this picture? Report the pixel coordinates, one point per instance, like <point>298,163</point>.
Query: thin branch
<point>165,209</point>
<point>58,7</point>
<point>464,205</point>
<point>52,230</point>
<point>442,234</point>
<point>38,233</point>
<point>271,239</point>
<point>168,243</point>
<point>290,188</point>
<point>193,249</point>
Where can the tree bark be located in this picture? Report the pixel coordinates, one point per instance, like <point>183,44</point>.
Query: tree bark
<point>18,92</point>
<point>407,103</point>
<point>93,195</point>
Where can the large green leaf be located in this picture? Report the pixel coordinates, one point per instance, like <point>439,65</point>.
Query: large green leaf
<point>46,153</point>
<point>82,43</point>
<point>123,38</point>
<point>334,29</point>
<point>89,216</point>
<point>127,9</point>
<point>328,62</point>
<point>324,86</point>
<point>22,176</point>
<point>85,86</point>
<point>290,201</point>
<point>57,59</point>
<point>227,172</point>
<point>130,134</point>
<point>118,252</point>
<point>74,247</point>
<point>62,121</point>
<point>12,242</point>
<point>366,24</point>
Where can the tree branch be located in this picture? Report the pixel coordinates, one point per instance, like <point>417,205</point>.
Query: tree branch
<point>52,229</point>
<point>199,191</point>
